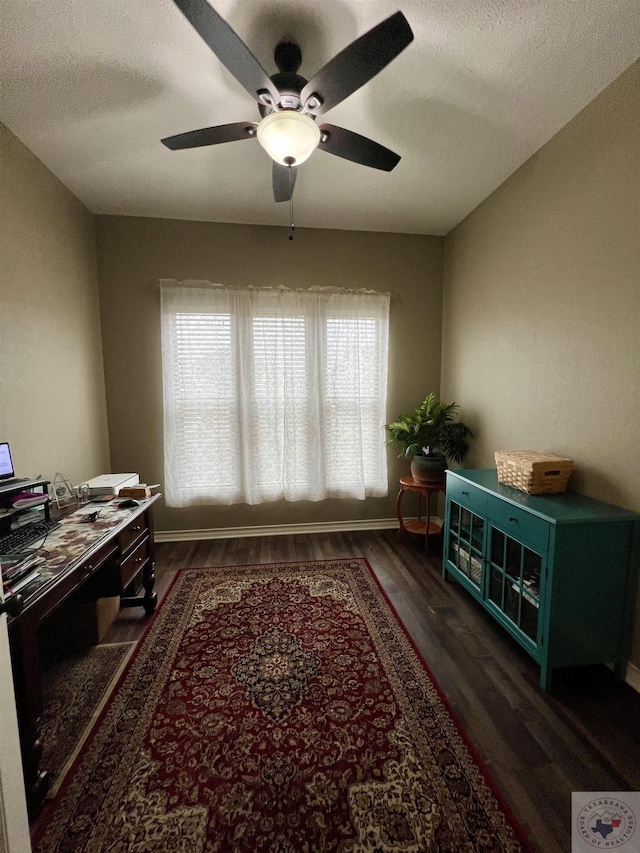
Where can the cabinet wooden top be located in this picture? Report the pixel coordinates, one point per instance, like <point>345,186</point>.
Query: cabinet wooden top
<point>568,508</point>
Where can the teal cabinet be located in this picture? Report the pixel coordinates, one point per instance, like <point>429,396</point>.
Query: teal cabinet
<point>558,572</point>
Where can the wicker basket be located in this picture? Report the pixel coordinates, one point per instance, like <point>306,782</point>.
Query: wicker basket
<point>532,472</point>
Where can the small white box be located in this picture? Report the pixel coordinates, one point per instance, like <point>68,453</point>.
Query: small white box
<point>110,484</point>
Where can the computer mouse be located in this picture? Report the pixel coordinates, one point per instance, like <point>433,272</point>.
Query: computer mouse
<point>130,503</point>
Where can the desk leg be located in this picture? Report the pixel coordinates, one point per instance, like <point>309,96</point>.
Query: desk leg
<point>25,662</point>
<point>150,599</point>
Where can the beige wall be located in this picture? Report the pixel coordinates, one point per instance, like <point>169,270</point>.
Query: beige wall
<point>134,253</point>
<point>541,317</point>
<point>52,398</point>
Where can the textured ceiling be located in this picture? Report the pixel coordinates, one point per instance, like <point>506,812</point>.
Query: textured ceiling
<point>91,86</point>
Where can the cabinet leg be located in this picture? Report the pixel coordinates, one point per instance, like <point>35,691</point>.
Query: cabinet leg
<point>546,676</point>
<point>620,669</point>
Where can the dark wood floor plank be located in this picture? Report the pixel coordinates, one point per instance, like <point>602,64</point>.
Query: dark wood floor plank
<point>549,835</point>
<point>538,747</point>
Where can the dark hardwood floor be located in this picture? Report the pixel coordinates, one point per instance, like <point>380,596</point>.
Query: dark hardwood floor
<point>538,747</point>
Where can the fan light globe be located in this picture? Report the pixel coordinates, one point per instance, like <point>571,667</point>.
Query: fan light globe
<point>288,137</point>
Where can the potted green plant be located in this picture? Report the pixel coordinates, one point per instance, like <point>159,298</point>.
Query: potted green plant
<point>430,435</point>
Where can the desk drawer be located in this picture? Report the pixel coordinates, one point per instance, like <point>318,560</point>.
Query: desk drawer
<point>78,580</point>
<point>92,564</point>
<point>467,495</point>
<point>519,524</point>
<point>134,563</point>
<point>136,528</point>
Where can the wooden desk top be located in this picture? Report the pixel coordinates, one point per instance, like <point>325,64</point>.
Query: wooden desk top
<point>76,541</point>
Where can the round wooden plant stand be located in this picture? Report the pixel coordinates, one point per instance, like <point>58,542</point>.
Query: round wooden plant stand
<point>422,526</point>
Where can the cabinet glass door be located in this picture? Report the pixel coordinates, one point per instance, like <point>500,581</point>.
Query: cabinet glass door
<point>466,530</point>
<point>514,582</point>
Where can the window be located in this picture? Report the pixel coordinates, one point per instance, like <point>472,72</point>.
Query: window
<point>273,394</point>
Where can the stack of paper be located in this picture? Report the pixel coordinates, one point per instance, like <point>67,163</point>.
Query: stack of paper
<point>19,571</point>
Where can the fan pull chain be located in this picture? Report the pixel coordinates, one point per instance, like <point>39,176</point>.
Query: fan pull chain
<point>293,227</point>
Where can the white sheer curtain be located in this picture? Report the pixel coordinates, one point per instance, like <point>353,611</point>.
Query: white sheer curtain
<point>273,394</point>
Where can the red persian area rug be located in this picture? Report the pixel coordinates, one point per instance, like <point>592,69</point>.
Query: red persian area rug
<point>277,708</point>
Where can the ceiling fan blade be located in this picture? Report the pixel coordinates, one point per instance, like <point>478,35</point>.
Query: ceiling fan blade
<point>228,47</point>
<point>359,149</point>
<point>358,63</point>
<point>284,179</point>
<point>212,135</point>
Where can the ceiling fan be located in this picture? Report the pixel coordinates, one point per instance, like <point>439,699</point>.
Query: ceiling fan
<point>289,104</point>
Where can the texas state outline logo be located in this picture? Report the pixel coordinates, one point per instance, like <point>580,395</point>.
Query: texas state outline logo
<point>605,821</point>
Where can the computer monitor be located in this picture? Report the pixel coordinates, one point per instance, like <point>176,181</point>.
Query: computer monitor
<point>6,465</point>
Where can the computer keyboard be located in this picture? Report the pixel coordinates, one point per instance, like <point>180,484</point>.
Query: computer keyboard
<point>17,540</point>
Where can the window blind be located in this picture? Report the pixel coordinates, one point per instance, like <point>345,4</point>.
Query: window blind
<point>273,395</point>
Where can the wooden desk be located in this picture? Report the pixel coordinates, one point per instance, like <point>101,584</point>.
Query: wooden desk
<point>87,561</point>
<point>424,527</point>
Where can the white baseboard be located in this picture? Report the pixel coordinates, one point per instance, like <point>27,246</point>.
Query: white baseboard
<point>280,529</point>
<point>632,676</point>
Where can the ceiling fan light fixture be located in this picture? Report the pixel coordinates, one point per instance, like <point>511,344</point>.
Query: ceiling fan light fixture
<point>288,137</point>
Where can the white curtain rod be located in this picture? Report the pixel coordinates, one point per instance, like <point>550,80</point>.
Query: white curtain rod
<point>170,282</point>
